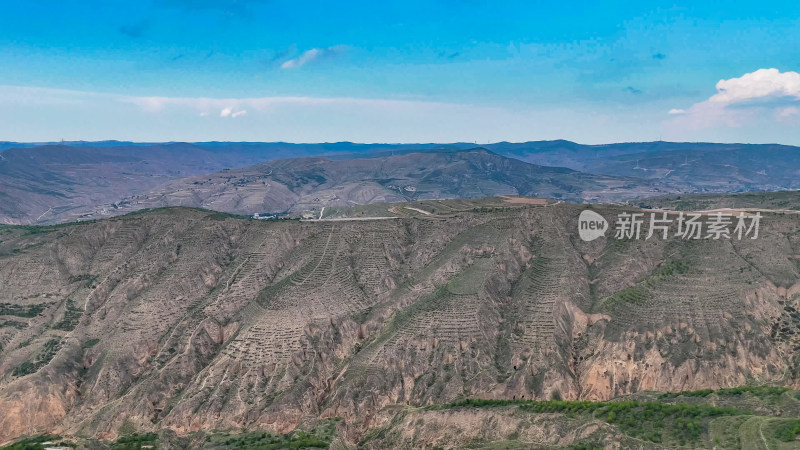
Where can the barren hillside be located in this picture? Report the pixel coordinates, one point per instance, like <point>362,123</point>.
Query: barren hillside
<point>190,320</point>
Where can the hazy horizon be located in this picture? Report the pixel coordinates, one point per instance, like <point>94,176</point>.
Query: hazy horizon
<point>478,144</point>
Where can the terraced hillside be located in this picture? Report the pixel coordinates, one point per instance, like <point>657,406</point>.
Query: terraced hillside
<point>189,320</point>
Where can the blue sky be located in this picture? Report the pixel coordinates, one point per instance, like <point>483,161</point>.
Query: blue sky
<point>410,71</point>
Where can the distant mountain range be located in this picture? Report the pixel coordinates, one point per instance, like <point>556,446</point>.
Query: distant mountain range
<point>46,183</point>
<point>706,167</point>
<point>309,184</point>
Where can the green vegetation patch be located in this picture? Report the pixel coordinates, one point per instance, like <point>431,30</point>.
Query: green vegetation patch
<point>670,268</point>
<point>38,443</point>
<point>135,442</point>
<point>636,295</point>
<point>35,229</point>
<point>651,421</point>
<point>12,324</point>
<point>28,311</point>
<point>319,437</point>
<point>268,441</point>
<point>640,293</point>
<point>72,315</point>
<point>787,431</point>
<point>87,279</point>
<point>45,355</point>
<point>762,392</point>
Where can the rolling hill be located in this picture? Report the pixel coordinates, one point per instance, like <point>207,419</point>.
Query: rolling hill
<point>38,181</point>
<point>295,185</point>
<point>47,183</point>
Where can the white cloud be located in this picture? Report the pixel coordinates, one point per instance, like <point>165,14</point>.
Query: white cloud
<point>225,112</point>
<point>761,85</point>
<point>749,100</point>
<point>302,60</point>
<point>312,55</point>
